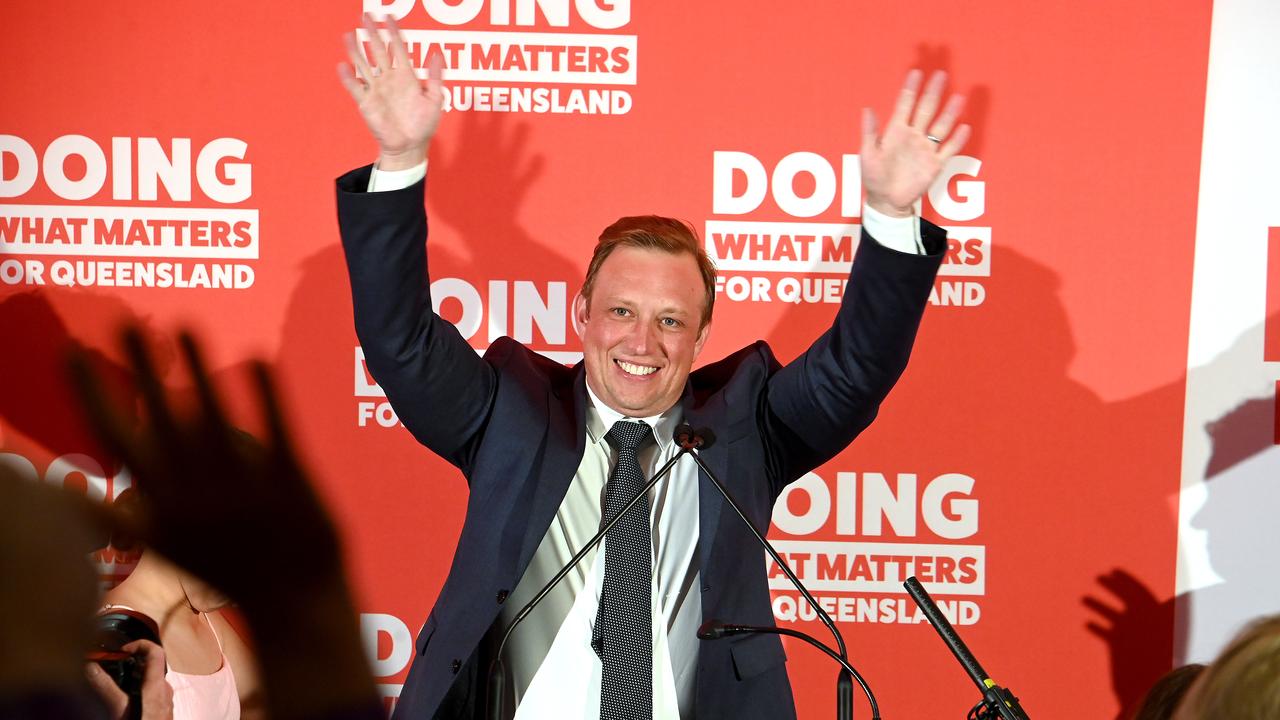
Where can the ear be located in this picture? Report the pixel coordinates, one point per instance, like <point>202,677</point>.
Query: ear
<point>703,334</point>
<point>580,312</point>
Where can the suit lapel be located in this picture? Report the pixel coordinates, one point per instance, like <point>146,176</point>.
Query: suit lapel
<point>564,446</point>
<point>716,457</point>
<point>566,443</point>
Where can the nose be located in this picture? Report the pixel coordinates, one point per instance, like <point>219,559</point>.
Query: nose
<point>643,338</point>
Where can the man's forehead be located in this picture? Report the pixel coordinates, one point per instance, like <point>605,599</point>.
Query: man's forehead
<point>650,266</point>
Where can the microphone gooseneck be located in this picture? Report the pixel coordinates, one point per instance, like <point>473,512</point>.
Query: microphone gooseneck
<point>714,630</point>
<point>710,630</point>
<point>777,559</point>
<point>495,684</point>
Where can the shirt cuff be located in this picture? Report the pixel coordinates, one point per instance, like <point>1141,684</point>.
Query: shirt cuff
<point>384,180</point>
<point>895,233</point>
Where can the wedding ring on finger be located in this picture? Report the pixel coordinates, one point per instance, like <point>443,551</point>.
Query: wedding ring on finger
<point>934,139</point>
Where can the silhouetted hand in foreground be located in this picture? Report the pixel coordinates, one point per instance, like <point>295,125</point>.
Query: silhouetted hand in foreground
<point>239,514</point>
<point>243,517</point>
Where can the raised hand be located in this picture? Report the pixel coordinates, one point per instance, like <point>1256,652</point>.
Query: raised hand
<point>899,166</point>
<point>243,517</point>
<point>239,514</point>
<point>400,110</point>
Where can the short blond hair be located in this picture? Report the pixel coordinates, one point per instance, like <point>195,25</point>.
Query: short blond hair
<point>1244,682</point>
<point>654,232</point>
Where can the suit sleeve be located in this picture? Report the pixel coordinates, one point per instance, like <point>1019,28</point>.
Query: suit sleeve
<point>817,404</point>
<point>441,390</point>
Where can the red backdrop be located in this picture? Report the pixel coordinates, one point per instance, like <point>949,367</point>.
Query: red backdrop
<point>1040,419</point>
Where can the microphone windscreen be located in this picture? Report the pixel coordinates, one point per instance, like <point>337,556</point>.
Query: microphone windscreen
<point>711,630</point>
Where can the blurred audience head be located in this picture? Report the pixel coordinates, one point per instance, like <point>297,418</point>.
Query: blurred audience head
<point>1243,683</point>
<point>1163,697</point>
<point>48,589</point>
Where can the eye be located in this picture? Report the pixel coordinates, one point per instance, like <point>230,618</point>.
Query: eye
<point>619,312</point>
<point>670,322</point>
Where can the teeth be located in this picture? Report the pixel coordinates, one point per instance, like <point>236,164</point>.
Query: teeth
<point>636,369</point>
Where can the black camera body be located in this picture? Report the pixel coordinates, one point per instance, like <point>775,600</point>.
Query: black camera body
<point>116,628</point>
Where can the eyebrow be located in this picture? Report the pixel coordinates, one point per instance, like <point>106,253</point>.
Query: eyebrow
<point>666,310</point>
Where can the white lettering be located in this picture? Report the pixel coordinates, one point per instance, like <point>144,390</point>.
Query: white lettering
<point>55,158</point>
<point>24,177</point>
<point>814,517</point>
<point>375,625</point>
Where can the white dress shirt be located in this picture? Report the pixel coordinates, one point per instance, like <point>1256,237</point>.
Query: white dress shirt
<point>553,672</point>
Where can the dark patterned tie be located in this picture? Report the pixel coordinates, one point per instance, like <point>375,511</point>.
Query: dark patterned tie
<point>623,634</point>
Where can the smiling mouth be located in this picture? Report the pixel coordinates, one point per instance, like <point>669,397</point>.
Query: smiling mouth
<point>638,370</point>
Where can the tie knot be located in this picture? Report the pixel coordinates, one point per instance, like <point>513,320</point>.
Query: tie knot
<point>626,435</point>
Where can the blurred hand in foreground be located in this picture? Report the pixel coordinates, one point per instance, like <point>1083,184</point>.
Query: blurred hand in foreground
<point>243,516</point>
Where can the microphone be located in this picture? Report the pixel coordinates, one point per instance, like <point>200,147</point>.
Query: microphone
<point>496,681</point>
<point>996,702</point>
<point>690,441</point>
<point>714,630</point>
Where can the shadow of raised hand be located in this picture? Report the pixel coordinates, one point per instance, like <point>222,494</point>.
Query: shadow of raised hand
<point>486,173</point>
<point>1137,633</point>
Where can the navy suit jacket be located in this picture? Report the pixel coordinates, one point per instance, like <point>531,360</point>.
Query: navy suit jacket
<point>514,423</point>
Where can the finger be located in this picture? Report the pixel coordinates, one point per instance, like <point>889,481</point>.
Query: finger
<point>112,696</point>
<point>869,132</point>
<point>277,433</point>
<point>209,402</point>
<point>399,53</point>
<point>518,140</point>
<point>107,424</point>
<point>152,661</point>
<point>947,119</point>
<point>929,101</point>
<point>1127,587</point>
<point>376,45</point>
<point>1106,611</point>
<point>152,654</point>
<point>148,384</point>
<point>349,81</point>
<point>906,98</point>
<point>356,56</point>
<point>532,170</point>
<point>435,72</point>
<point>955,143</point>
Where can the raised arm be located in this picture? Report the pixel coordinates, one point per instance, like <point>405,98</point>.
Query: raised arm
<point>440,389</point>
<point>835,388</point>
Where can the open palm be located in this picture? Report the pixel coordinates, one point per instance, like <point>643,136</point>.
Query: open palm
<point>899,165</point>
<point>401,112</point>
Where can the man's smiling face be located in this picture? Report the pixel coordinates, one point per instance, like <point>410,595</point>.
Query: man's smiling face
<point>641,329</point>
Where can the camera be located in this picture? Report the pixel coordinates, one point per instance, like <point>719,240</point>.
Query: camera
<point>115,629</point>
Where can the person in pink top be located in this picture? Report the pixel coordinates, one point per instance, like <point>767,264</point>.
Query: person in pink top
<point>209,667</point>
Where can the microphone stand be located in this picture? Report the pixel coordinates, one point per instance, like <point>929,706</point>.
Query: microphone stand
<point>689,441</point>
<point>712,630</point>
<point>497,680</point>
<point>996,702</point>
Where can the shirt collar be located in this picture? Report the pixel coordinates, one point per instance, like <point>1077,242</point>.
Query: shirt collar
<point>601,417</point>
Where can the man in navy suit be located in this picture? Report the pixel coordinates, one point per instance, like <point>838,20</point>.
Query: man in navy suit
<point>540,443</point>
